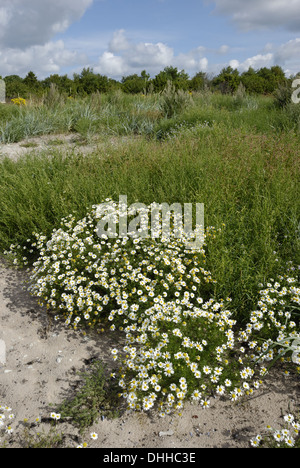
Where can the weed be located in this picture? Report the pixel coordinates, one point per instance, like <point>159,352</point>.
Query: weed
<point>96,397</point>
<point>174,101</point>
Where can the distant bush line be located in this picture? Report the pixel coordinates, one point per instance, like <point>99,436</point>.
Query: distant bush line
<point>263,81</point>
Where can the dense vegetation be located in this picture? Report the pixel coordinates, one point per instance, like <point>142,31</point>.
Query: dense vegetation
<point>239,155</point>
<point>194,323</point>
<point>262,81</point>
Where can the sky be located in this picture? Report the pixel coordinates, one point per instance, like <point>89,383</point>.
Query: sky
<point>121,37</point>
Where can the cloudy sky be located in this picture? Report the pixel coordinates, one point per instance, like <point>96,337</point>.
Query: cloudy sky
<point>120,37</point>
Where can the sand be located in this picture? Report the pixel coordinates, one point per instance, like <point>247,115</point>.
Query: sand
<point>42,362</point>
<point>70,143</point>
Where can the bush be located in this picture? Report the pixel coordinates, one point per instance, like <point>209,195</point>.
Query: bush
<point>95,397</point>
<point>34,121</point>
<point>276,322</point>
<point>283,95</point>
<point>54,97</point>
<point>174,101</point>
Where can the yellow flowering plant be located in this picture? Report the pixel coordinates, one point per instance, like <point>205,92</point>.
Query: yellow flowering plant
<point>19,101</point>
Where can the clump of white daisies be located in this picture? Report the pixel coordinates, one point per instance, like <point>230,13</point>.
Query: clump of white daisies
<point>286,437</point>
<point>6,419</point>
<point>180,343</point>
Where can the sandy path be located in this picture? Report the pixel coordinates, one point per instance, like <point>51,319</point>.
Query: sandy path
<point>42,361</point>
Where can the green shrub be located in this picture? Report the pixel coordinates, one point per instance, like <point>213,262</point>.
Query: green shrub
<point>96,397</point>
<point>283,95</point>
<point>174,101</point>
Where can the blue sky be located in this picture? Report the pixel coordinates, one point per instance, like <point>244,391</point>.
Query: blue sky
<point>120,37</point>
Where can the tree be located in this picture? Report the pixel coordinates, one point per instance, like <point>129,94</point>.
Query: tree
<point>253,83</point>
<point>15,87</point>
<point>198,81</point>
<point>31,81</point>
<point>180,79</point>
<point>228,80</point>
<point>272,78</point>
<point>135,84</point>
<point>89,82</point>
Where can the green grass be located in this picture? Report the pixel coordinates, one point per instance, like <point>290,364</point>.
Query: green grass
<point>153,116</point>
<point>238,156</point>
<point>244,172</point>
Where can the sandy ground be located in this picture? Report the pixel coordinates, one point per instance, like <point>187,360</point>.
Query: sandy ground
<point>70,142</point>
<point>41,367</point>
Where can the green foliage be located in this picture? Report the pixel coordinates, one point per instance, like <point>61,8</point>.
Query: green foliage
<point>62,83</point>
<point>34,121</point>
<point>262,81</point>
<point>283,95</point>
<point>87,82</point>
<point>134,84</point>
<point>180,340</point>
<point>15,87</point>
<point>179,79</point>
<point>272,78</point>
<point>96,397</point>
<point>227,81</point>
<point>239,155</point>
<point>174,101</point>
<point>42,439</point>
<point>199,82</point>
<point>54,97</point>
<point>242,170</point>
<point>31,81</point>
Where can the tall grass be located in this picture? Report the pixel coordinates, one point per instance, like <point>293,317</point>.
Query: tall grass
<point>247,180</point>
<point>154,115</point>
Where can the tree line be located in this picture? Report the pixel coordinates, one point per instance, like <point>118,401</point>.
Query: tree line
<point>262,81</point>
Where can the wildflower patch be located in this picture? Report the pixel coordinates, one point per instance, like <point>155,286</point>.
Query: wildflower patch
<point>181,343</point>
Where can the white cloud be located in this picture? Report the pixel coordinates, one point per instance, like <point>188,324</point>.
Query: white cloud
<point>224,49</point>
<point>286,55</point>
<point>26,23</point>
<point>203,64</point>
<point>289,51</point>
<point>127,57</point>
<point>234,64</point>
<point>119,41</point>
<point>42,59</point>
<point>256,62</point>
<point>193,61</point>
<point>151,55</point>
<point>111,65</point>
<point>261,14</point>
<point>27,28</point>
